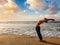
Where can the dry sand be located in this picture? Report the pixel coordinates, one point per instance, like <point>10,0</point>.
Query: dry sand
<point>6,39</point>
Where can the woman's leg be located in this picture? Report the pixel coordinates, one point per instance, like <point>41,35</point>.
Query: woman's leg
<point>39,33</point>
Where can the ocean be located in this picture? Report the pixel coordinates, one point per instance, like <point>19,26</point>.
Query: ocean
<point>28,28</point>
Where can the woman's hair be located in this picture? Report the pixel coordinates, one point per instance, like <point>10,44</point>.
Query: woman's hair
<point>45,20</point>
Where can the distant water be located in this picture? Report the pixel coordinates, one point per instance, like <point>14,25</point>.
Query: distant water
<point>28,28</point>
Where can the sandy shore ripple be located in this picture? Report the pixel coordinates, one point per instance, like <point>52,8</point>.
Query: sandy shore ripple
<point>10,39</point>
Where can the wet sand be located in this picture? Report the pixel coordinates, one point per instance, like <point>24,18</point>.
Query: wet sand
<point>10,39</point>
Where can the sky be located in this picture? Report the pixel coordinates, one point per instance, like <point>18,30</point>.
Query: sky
<point>29,10</point>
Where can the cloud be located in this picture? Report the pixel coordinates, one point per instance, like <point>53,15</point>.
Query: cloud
<point>8,6</point>
<point>52,10</point>
<point>34,4</point>
<point>56,17</point>
<point>52,6</point>
<point>21,17</point>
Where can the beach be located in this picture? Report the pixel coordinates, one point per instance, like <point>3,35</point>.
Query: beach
<point>12,39</point>
<point>24,33</point>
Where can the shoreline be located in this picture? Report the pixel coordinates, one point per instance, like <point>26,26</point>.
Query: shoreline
<point>12,39</point>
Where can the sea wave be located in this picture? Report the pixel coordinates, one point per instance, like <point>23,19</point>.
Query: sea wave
<point>28,28</point>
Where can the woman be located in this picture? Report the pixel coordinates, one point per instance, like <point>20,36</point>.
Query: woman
<point>38,27</point>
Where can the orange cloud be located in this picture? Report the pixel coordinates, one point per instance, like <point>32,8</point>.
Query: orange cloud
<point>0,1</point>
<point>8,6</point>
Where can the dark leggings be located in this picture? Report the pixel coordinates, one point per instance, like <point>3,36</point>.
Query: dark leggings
<point>39,33</point>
